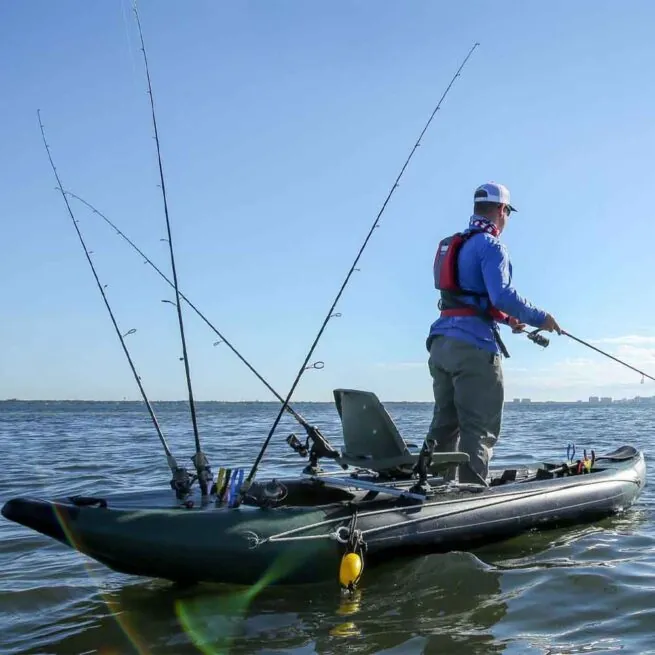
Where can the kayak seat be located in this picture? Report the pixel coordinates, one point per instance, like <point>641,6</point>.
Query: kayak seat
<point>372,440</point>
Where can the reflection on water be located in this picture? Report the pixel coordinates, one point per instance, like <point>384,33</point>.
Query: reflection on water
<point>450,601</point>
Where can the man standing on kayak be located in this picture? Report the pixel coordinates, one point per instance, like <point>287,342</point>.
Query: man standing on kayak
<point>473,272</point>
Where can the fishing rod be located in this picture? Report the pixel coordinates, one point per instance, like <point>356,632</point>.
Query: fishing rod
<point>540,340</point>
<point>181,481</point>
<point>311,430</point>
<point>253,470</point>
<point>200,460</point>
<point>602,352</point>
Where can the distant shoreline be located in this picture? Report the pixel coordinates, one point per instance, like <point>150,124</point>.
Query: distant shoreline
<point>649,400</point>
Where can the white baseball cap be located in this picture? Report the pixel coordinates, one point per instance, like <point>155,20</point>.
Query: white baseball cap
<point>493,192</point>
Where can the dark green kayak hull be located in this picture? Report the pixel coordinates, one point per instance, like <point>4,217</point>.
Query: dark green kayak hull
<point>150,534</point>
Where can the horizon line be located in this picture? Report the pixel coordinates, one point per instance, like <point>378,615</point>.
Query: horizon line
<point>527,401</point>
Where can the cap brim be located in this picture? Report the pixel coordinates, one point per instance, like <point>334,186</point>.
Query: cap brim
<point>514,209</point>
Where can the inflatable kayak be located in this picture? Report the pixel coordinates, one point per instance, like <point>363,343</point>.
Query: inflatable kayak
<point>297,530</point>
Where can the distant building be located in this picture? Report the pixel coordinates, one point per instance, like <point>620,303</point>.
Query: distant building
<point>516,400</point>
<point>593,399</point>
<point>606,400</point>
<point>526,400</point>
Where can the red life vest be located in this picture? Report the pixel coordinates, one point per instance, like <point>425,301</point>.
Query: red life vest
<point>446,277</point>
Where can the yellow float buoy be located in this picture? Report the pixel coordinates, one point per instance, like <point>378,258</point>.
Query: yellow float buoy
<point>350,570</point>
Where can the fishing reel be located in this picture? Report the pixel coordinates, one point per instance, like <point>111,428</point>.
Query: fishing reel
<point>297,446</point>
<point>267,494</point>
<point>537,338</point>
<point>181,482</point>
<point>320,447</point>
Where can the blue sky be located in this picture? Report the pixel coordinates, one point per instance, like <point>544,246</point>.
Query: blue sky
<point>283,124</point>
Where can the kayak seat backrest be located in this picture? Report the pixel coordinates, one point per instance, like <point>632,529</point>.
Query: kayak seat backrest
<point>372,440</point>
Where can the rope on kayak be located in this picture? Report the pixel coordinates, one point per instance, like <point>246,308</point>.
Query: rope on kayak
<point>330,314</point>
<point>340,534</point>
<point>181,481</point>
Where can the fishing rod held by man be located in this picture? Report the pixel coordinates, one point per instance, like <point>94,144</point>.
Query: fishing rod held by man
<point>540,340</point>
<point>602,352</point>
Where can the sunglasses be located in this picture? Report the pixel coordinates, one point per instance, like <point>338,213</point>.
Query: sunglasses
<point>507,210</point>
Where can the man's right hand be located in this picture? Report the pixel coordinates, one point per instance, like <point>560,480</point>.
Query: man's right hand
<point>551,325</point>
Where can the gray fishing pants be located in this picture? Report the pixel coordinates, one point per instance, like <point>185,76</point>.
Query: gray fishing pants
<point>468,397</point>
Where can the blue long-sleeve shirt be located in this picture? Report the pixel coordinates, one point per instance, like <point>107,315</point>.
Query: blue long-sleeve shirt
<point>484,267</point>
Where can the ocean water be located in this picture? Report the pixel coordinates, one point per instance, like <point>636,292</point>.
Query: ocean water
<point>589,589</point>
